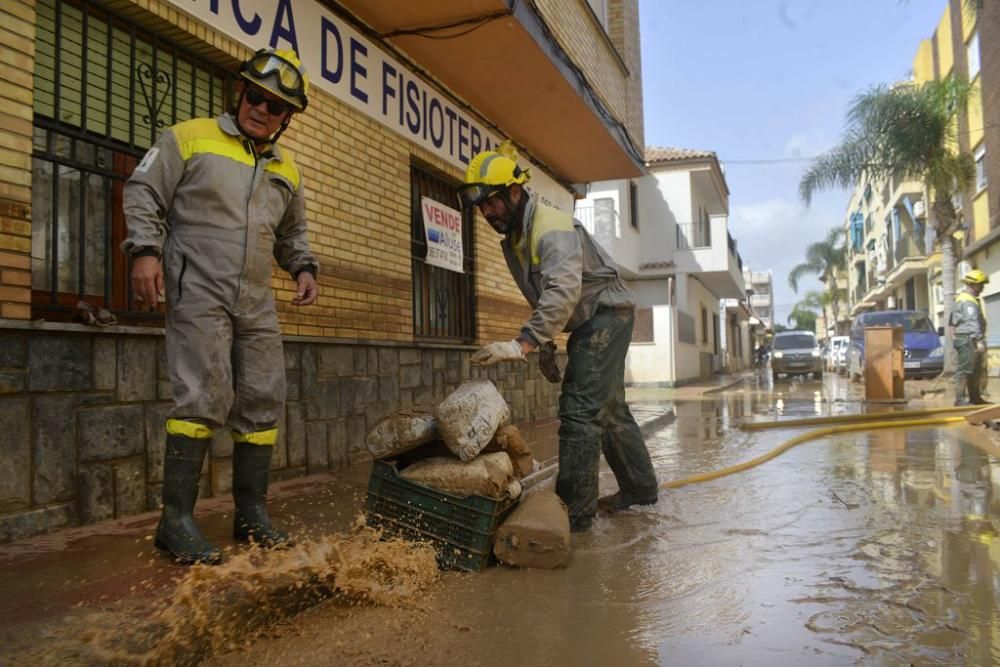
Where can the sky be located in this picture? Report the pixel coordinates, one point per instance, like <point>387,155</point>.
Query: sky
<point>771,80</point>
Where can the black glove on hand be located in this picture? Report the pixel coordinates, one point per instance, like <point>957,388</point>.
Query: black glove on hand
<point>547,363</point>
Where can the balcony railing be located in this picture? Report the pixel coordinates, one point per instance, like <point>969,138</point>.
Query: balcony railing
<point>692,235</point>
<point>910,246</point>
<point>601,222</point>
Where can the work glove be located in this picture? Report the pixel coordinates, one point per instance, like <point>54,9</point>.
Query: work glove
<point>981,346</point>
<point>494,353</point>
<point>547,363</point>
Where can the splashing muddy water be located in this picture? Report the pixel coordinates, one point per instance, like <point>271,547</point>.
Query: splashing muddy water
<point>214,608</point>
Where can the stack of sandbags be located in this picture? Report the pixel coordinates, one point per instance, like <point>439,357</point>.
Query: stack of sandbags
<point>485,456</point>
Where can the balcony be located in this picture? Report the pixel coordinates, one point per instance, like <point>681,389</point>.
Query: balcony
<point>707,250</point>
<point>909,259</point>
<point>573,121</point>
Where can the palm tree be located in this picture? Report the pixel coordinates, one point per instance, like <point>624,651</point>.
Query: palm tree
<point>802,318</point>
<point>905,130</point>
<point>824,259</point>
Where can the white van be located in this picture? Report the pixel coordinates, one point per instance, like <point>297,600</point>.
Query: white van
<point>836,354</point>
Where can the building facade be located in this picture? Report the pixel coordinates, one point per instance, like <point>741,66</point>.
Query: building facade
<point>392,122</point>
<point>669,233</point>
<point>894,261</point>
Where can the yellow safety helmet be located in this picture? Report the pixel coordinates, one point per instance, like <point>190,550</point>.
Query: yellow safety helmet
<point>975,277</point>
<point>279,72</point>
<point>490,172</point>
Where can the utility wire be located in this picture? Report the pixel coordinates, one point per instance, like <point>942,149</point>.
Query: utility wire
<point>781,160</point>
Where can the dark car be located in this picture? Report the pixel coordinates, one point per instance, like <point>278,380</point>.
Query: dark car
<point>923,354</point>
<point>796,353</point>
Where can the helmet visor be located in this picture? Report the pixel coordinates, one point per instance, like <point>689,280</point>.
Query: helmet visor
<point>471,195</point>
<point>288,77</point>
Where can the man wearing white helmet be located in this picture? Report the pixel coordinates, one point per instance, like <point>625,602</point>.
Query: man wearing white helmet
<point>207,208</point>
<point>572,286</point>
<point>969,339</point>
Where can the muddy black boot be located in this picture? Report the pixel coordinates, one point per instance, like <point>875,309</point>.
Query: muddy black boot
<point>177,531</point>
<point>251,522</point>
<point>624,499</point>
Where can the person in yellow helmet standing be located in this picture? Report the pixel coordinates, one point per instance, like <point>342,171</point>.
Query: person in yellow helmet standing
<point>207,208</point>
<point>969,339</point>
<point>572,285</point>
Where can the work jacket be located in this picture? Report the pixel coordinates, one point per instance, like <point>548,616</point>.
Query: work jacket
<point>561,271</point>
<point>967,316</point>
<point>217,211</point>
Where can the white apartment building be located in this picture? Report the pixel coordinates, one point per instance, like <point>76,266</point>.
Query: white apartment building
<point>668,232</point>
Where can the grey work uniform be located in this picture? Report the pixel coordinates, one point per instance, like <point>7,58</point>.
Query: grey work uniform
<point>218,211</point>
<point>970,328</point>
<point>573,286</point>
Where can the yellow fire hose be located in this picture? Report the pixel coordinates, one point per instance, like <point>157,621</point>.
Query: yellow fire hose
<point>864,417</point>
<point>881,423</point>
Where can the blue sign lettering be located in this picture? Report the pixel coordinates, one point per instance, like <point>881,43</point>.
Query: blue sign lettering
<point>357,68</point>
<point>388,72</point>
<point>330,28</point>
<point>280,30</point>
<point>437,135</point>
<point>413,112</point>
<point>250,27</point>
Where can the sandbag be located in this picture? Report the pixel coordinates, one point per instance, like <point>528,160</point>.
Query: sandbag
<point>488,475</point>
<point>509,439</point>
<point>469,416</point>
<point>536,534</point>
<point>401,431</point>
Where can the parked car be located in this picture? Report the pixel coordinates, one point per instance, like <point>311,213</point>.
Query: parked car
<point>796,353</point>
<point>923,353</point>
<point>836,356</point>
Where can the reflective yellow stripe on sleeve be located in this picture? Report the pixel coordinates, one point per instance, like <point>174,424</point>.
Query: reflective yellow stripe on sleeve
<point>268,437</point>
<point>189,429</point>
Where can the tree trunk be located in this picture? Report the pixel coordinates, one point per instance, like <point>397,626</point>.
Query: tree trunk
<point>948,297</point>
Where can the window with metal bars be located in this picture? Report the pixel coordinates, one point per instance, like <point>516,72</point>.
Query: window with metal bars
<point>104,89</point>
<point>443,300</point>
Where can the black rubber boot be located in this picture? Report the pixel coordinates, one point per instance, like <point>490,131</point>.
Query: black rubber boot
<point>623,500</point>
<point>251,522</point>
<point>177,532</point>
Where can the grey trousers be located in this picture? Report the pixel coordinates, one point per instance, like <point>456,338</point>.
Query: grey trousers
<point>225,368</point>
<point>594,416</point>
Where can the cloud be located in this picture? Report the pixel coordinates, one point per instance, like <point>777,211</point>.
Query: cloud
<point>773,235</point>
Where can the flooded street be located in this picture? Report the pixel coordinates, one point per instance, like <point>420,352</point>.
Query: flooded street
<point>876,547</point>
<point>871,548</point>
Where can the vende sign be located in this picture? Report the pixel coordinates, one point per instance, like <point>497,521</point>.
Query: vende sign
<point>345,64</point>
<point>443,233</point>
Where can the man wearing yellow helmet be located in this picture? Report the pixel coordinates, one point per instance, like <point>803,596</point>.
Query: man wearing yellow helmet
<point>969,338</point>
<point>573,286</point>
<point>207,208</point>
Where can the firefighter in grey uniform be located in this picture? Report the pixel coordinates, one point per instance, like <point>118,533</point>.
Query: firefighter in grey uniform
<point>969,339</point>
<point>572,285</point>
<point>207,208</point>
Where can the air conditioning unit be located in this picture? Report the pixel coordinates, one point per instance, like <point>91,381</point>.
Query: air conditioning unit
<point>919,209</point>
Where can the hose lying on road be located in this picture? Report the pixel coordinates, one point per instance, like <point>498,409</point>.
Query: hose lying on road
<point>867,417</point>
<point>881,423</point>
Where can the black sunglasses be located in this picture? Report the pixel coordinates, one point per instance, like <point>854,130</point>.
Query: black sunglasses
<point>254,97</point>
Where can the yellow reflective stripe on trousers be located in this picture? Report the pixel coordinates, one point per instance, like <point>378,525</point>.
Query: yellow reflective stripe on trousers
<point>189,429</point>
<point>268,437</point>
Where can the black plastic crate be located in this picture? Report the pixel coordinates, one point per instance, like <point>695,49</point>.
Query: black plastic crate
<point>461,530</point>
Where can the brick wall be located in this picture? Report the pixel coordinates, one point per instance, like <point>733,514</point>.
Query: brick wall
<point>17,33</point>
<point>583,39</point>
<point>83,416</point>
<point>623,28</point>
